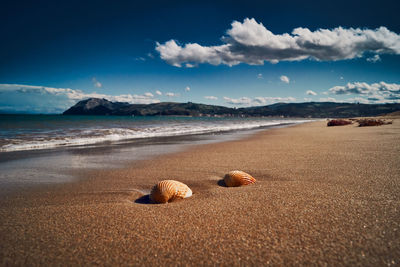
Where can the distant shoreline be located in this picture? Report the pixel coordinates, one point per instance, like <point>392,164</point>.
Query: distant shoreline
<point>103,107</point>
<point>97,106</point>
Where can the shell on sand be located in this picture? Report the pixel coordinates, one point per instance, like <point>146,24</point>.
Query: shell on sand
<point>238,178</point>
<point>169,190</point>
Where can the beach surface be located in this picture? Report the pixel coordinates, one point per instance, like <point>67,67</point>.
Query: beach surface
<point>324,196</point>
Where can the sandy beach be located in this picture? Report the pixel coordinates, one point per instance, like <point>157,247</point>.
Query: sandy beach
<point>324,196</point>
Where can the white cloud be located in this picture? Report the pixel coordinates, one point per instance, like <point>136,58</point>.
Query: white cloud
<point>307,99</point>
<point>96,83</point>
<point>341,77</point>
<point>251,43</point>
<point>187,89</point>
<point>257,101</point>
<point>260,76</point>
<point>158,92</point>
<point>140,59</point>
<point>50,99</point>
<point>379,92</point>
<point>374,59</point>
<point>150,55</point>
<point>238,101</point>
<point>310,92</point>
<point>188,65</point>
<point>271,100</point>
<point>211,97</point>
<point>328,99</point>
<point>170,94</point>
<point>363,88</point>
<point>284,79</point>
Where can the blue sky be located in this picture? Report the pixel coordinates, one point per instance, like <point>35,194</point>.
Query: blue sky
<point>55,53</point>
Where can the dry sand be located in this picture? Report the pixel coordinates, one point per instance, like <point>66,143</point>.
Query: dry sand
<point>323,196</point>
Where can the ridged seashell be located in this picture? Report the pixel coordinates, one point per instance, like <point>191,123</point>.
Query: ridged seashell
<point>169,190</point>
<point>238,178</point>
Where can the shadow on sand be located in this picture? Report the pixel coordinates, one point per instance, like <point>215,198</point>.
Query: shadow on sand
<point>143,200</point>
<point>221,183</point>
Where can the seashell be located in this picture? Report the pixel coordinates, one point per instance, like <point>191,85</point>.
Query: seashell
<point>169,190</point>
<point>238,178</point>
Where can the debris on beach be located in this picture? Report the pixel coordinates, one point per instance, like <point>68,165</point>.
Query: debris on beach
<point>339,122</point>
<point>372,122</point>
<point>238,178</point>
<point>169,190</point>
<point>361,122</point>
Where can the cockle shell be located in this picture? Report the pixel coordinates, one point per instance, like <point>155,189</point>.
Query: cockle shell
<point>169,190</point>
<point>238,178</point>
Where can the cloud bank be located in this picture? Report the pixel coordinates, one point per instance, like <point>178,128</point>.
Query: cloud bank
<point>252,43</point>
<point>42,99</point>
<point>381,92</point>
<point>257,101</point>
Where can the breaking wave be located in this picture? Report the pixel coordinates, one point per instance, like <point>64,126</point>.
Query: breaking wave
<point>79,136</point>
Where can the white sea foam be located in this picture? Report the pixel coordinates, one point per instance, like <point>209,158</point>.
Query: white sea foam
<point>93,136</point>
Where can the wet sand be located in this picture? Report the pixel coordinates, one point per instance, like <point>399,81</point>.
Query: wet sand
<point>324,195</point>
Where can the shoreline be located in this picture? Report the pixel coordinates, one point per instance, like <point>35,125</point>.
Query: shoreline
<point>60,165</point>
<point>98,131</point>
<point>323,196</point>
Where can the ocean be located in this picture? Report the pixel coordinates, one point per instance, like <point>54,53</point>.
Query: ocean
<point>46,149</point>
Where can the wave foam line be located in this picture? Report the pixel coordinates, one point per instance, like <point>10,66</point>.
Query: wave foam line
<point>118,134</point>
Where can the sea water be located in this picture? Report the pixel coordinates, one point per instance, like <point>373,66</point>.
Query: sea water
<point>42,149</point>
<point>31,132</point>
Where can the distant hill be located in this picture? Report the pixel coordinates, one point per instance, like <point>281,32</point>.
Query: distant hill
<point>96,106</point>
